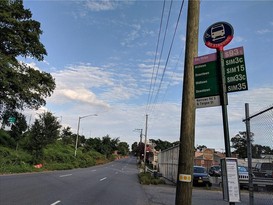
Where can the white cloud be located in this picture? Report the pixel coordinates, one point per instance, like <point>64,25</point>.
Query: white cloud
<point>103,5</point>
<point>263,31</point>
<point>81,95</point>
<point>239,39</point>
<point>106,5</point>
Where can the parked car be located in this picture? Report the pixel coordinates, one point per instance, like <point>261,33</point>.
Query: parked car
<point>215,171</point>
<point>243,176</point>
<point>200,176</point>
<point>263,169</point>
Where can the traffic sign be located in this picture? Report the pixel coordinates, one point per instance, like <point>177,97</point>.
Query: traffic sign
<point>235,72</point>
<point>206,74</point>
<point>207,101</point>
<point>12,119</point>
<point>218,35</point>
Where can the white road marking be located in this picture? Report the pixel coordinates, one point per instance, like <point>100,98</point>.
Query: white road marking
<point>56,202</point>
<point>103,178</point>
<point>66,175</point>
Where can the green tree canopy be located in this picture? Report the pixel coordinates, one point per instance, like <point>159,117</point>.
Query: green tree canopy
<point>239,143</point>
<point>162,145</point>
<point>123,148</point>
<point>44,131</point>
<point>20,85</point>
<point>18,128</point>
<point>201,147</point>
<point>134,148</point>
<point>67,136</point>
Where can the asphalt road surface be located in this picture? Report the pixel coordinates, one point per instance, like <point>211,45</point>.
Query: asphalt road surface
<point>115,183</point>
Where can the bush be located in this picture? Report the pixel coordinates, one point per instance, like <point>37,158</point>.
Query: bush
<point>147,178</point>
<point>12,161</point>
<point>6,140</point>
<point>58,153</point>
<point>56,156</point>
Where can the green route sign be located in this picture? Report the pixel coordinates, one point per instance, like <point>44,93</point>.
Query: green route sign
<point>235,71</point>
<point>12,119</point>
<point>206,74</point>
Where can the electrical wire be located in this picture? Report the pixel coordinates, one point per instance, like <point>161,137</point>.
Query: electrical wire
<point>155,59</point>
<point>161,52</point>
<point>170,49</point>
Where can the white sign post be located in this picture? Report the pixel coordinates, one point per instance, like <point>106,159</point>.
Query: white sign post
<point>230,180</point>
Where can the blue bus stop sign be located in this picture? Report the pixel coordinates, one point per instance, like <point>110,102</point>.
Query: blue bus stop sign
<point>218,35</point>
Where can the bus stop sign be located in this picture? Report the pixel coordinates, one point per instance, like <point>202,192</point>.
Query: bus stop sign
<point>218,35</point>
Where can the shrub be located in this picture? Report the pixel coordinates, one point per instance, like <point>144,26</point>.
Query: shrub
<point>147,178</point>
<point>12,161</point>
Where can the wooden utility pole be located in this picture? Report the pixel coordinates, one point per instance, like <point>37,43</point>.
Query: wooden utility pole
<point>145,142</point>
<point>187,127</point>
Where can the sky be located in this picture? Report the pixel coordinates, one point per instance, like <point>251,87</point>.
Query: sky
<point>116,60</point>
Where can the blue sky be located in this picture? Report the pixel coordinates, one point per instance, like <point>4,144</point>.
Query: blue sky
<point>102,56</point>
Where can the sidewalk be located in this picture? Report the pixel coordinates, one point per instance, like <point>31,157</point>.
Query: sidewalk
<point>165,195</point>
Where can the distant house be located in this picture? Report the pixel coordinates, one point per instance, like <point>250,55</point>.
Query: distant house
<point>208,157</point>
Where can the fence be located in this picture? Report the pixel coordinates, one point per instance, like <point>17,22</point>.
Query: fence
<point>168,163</point>
<point>259,132</point>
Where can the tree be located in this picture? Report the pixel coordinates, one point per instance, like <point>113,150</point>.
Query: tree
<point>108,145</point>
<point>161,145</point>
<point>134,148</point>
<point>123,148</point>
<point>239,143</point>
<point>18,128</point>
<point>140,150</point>
<point>259,150</point>
<point>201,147</point>
<point>20,85</point>
<point>67,136</point>
<point>93,143</point>
<point>44,131</point>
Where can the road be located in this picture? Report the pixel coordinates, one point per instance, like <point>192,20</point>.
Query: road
<point>115,183</point>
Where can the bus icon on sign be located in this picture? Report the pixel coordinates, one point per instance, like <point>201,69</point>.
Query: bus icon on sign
<point>217,32</point>
<point>218,35</point>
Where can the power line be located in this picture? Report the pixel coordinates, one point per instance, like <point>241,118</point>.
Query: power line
<point>157,44</point>
<point>170,49</point>
<point>161,51</point>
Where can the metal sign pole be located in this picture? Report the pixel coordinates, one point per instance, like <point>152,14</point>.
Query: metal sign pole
<point>224,102</point>
<point>249,155</point>
<point>223,99</point>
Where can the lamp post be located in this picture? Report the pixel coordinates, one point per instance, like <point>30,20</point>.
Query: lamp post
<point>77,138</point>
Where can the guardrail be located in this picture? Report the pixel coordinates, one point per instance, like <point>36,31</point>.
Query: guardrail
<point>256,181</point>
<point>262,181</point>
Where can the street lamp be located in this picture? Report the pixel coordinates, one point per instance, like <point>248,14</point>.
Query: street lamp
<point>77,138</point>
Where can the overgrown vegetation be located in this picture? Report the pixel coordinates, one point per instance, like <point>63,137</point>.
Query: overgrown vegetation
<point>45,143</point>
<point>147,178</point>
<point>56,157</point>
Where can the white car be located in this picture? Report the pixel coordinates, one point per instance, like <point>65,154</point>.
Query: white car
<point>243,176</point>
